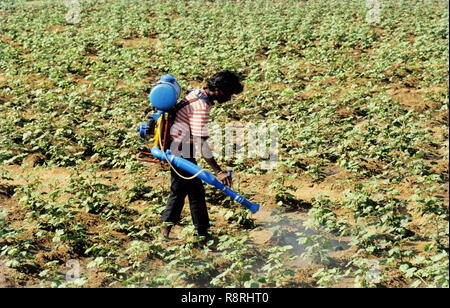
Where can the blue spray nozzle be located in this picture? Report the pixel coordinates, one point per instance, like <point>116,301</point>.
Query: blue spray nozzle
<point>254,208</point>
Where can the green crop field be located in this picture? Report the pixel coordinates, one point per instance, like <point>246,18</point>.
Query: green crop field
<point>358,91</point>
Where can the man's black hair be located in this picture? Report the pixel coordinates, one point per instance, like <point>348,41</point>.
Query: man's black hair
<point>226,81</point>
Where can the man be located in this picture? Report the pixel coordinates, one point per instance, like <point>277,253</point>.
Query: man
<point>188,134</point>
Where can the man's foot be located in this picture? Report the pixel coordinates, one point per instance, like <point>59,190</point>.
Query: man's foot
<point>165,231</point>
<point>203,233</point>
<point>203,238</point>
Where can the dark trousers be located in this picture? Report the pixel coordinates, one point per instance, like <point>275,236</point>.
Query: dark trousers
<point>194,190</point>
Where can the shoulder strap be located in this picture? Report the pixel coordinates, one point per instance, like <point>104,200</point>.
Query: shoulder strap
<point>183,103</point>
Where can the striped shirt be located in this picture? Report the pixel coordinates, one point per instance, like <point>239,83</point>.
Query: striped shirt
<point>192,119</point>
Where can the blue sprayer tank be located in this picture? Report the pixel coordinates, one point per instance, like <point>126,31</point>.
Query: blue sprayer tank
<point>165,93</point>
<point>163,97</point>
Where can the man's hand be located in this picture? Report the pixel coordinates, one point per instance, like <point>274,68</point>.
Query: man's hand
<point>224,178</point>
<point>221,175</point>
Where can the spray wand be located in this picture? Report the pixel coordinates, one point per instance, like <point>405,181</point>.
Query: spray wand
<point>204,175</point>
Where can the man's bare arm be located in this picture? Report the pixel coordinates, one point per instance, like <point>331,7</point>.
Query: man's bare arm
<point>206,153</point>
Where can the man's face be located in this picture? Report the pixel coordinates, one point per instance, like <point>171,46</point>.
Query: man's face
<point>222,96</point>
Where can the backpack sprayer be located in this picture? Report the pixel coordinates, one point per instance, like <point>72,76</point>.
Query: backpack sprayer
<point>163,97</point>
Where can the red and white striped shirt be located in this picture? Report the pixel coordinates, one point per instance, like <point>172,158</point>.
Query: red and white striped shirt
<point>192,119</point>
